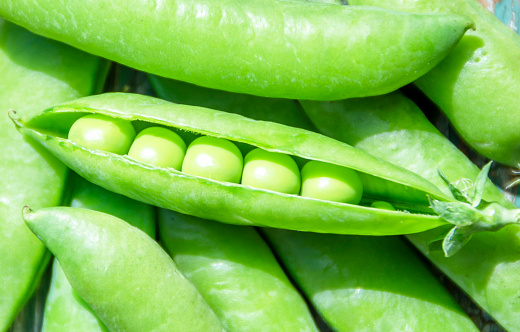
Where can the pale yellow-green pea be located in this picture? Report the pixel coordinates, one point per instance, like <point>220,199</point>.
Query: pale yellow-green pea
<point>159,147</point>
<point>213,158</point>
<point>331,182</point>
<point>383,205</point>
<point>101,132</point>
<point>272,171</point>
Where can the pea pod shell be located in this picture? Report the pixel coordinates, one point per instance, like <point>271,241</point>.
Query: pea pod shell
<point>123,274</point>
<point>476,85</point>
<point>366,283</point>
<point>261,47</point>
<point>227,202</point>
<point>65,310</point>
<point>236,273</point>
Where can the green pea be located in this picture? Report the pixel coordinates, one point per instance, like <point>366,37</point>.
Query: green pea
<point>271,171</point>
<point>331,182</point>
<point>213,158</point>
<point>383,205</point>
<point>101,132</point>
<point>159,147</point>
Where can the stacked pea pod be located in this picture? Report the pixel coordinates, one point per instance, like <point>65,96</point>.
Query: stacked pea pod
<point>377,185</point>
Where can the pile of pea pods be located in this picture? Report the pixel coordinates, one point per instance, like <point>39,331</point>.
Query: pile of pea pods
<point>266,165</point>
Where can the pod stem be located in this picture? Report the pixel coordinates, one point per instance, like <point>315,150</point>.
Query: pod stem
<point>470,214</point>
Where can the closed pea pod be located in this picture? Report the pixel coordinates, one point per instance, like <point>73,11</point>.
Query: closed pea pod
<point>97,249</point>
<point>236,273</point>
<point>380,123</point>
<point>262,47</point>
<point>65,310</point>
<point>238,204</point>
<point>34,73</point>
<point>477,85</point>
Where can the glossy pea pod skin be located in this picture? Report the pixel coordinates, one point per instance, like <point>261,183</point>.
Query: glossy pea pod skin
<point>236,273</point>
<point>65,310</point>
<point>34,73</point>
<point>330,269</point>
<point>476,85</point>
<point>379,125</point>
<point>227,202</point>
<point>123,274</point>
<point>261,47</point>
<point>366,283</point>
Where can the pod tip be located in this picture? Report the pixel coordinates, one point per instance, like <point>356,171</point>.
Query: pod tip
<point>26,212</point>
<point>14,117</point>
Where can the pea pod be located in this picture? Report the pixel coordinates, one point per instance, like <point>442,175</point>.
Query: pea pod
<point>354,283</point>
<point>236,273</point>
<point>477,85</point>
<point>96,250</point>
<point>231,203</point>
<point>261,47</point>
<point>367,283</point>
<point>65,310</point>
<point>34,73</point>
<point>228,202</point>
<point>375,125</point>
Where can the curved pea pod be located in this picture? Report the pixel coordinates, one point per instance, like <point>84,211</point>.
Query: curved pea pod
<point>367,283</point>
<point>65,310</point>
<point>260,47</point>
<point>123,274</point>
<point>477,85</point>
<point>228,202</point>
<point>284,111</point>
<point>236,273</point>
<point>34,73</point>
<point>488,267</point>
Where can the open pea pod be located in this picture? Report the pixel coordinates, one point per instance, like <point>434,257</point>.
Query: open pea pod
<point>234,203</point>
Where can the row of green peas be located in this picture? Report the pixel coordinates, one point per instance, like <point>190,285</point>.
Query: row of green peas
<point>221,160</point>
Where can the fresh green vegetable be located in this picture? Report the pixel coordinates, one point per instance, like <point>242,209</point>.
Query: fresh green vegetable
<point>100,132</point>
<point>236,273</point>
<point>65,310</point>
<point>271,171</point>
<point>477,85</point>
<point>393,128</point>
<point>261,47</point>
<point>383,205</point>
<point>34,73</point>
<point>284,111</point>
<point>331,183</point>
<point>213,158</point>
<point>234,203</point>
<point>367,283</point>
<point>159,147</point>
<point>125,277</point>
<point>398,301</point>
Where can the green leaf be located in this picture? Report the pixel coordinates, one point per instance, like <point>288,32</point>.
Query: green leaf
<point>459,194</point>
<point>456,238</point>
<point>480,183</point>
